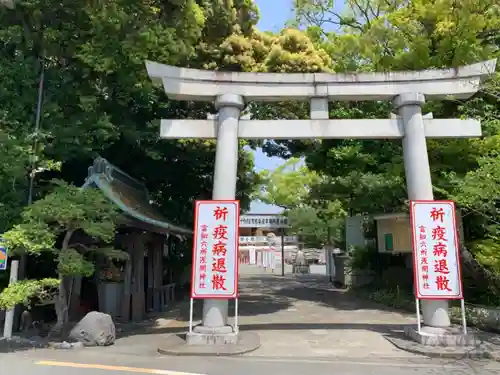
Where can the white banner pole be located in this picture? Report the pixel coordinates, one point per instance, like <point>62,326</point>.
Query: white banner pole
<point>191,305</point>
<point>236,329</point>
<point>419,322</point>
<point>464,318</point>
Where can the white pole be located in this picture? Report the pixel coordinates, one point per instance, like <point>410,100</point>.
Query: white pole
<point>229,108</point>
<point>464,318</point>
<point>418,181</point>
<point>191,307</point>
<point>419,322</point>
<point>9,314</point>
<point>236,329</point>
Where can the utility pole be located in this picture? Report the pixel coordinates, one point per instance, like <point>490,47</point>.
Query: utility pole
<point>18,267</point>
<point>329,251</point>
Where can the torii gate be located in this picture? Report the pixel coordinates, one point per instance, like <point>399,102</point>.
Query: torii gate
<point>230,91</point>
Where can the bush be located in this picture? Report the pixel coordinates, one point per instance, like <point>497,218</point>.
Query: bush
<point>363,257</point>
<point>28,292</point>
<point>394,298</point>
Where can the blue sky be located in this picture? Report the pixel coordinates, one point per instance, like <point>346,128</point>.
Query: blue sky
<point>273,15</point>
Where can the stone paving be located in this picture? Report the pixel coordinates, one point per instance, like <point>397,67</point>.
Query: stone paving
<point>306,317</point>
<point>294,317</point>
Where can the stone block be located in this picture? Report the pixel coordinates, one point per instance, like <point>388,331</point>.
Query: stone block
<point>444,337</point>
<point>177,345</point>
<point>197,338</point>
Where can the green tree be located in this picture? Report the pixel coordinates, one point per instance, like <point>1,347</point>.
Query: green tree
<point>397,35</point>
<point>319,223</point>
<point>410,35</point>
<point>287,186</point>
<point>405,35</point>
<point>49,225</point>
<point>14,163</point>
<point>292,186</point>
<point>478,193</point>
<point>98,98</point>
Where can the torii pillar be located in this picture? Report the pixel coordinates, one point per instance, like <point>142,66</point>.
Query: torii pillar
<point>232,90</point>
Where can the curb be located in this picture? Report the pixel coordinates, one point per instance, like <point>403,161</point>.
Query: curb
<point>233,353</point>
<point>176,346</point>
<point>482,351</point>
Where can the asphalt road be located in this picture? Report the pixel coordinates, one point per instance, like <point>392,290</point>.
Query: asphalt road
<point>86,362</point>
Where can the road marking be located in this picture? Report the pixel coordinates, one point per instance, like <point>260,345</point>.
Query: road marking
<point>113,368</point>
<point>405,363</point>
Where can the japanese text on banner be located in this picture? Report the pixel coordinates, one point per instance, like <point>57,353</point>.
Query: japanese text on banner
<point>435,252</point>
<point>215,250</point>
<point>219,249</point>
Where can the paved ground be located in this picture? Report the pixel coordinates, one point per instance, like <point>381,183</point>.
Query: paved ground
<point>299,318</point>
<point>302,319</point>
<point>86,362</point>
<point>305,326</point>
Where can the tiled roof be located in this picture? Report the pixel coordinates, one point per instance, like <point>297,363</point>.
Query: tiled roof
<point>129,195</point>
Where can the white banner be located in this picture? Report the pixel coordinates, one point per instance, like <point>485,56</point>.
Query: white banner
<point>263,221</point>
<point>435,250</point>
<point>215,250</point>
<point>265,239</point>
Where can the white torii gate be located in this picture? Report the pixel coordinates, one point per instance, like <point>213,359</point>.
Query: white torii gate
<point>230,91</point>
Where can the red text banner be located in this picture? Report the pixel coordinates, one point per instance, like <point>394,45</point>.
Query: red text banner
<point>435,250</point>
<point>215,250</point>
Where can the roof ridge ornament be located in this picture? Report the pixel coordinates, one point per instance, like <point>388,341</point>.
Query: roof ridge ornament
<point>106,169</point>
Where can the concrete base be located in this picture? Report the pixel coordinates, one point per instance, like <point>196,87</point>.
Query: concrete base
<point>203,335</point>
<point>447,343</point>
<point>178,345</point>
<point>214,330</point>
<point>449,337</point>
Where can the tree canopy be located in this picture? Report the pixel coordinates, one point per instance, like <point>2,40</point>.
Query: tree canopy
<point>368,176</point>
<point>98,100</point>
<point>293,187</point>
<point>48,225</point>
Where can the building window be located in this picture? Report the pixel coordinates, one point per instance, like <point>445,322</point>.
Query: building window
<point>388,242</point>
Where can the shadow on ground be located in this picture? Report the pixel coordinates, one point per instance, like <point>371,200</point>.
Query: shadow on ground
<point>338,299</point>
<point>304,289</point>
<point>266,294</point>
<point>149,337</point>
<point>260,295</point>
<point>17,344</point>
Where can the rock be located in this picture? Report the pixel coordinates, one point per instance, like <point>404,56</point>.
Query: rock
<point>62,345</point>
<point>66,345</point>
<point>95,329</point>
<point>77,345</point>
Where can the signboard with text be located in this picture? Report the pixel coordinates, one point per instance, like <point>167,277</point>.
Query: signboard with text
<point>263,239</point>
<point>215,250</point>
<point>3,256</point>
<point>435,250</point>
<point>263,221</point>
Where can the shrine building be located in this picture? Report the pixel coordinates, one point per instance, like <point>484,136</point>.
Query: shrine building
<point>264,232</point>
